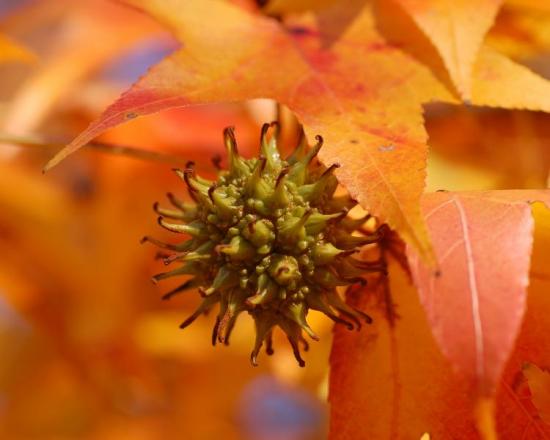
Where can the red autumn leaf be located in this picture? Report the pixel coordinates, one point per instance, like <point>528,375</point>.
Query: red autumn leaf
<point>392,381</point>
<point>476,301</point>
<point>517,415</point>
<point>362,94</point>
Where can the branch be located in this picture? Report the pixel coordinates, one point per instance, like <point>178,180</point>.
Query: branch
<point>120,150</point>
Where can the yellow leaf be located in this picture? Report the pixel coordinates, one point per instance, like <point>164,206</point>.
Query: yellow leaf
<point>500,82</point>
<point>456,28</point>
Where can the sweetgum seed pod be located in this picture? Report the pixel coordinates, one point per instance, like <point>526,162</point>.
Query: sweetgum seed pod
<point>267,237</point>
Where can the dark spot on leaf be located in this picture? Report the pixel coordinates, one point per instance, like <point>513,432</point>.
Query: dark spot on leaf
<point>354,141</point>
<point>300,31</point>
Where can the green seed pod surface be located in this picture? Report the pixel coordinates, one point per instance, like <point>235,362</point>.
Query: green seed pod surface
<point>267,238</point>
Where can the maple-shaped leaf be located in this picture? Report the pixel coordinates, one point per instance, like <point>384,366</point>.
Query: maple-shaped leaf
<point>517,414</point>
<point>456,28</point>
<point>361,93</point>
<point>496,81</point>
<point>475,302</point>
<point>391,381</point>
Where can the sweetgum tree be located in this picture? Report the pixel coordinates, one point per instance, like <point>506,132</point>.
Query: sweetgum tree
<point>464,305</point>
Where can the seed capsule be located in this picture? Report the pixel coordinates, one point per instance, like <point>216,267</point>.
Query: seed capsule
<point>269,238</point>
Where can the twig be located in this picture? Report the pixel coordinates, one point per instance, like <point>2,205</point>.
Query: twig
<point>119,150</point>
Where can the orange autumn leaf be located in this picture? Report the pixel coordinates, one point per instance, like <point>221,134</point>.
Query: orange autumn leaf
<point>372,147</point>
<point>166,131</point>
<point>391,381</point>
<point>539,385</point>
<point>368,111</point>
<point>456,28</point>
<point>476,301</point>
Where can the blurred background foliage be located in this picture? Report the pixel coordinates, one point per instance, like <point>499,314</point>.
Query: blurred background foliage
<point>88,348</point>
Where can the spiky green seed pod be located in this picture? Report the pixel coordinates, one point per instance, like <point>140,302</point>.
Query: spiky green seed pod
<point>268,238</point>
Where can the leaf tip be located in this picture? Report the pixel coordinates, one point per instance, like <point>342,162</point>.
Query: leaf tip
<point>51,163</point>
<point>59,157</point>
<point>485,418</point>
